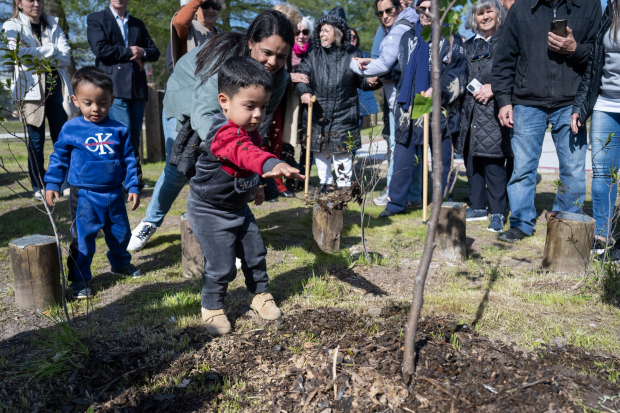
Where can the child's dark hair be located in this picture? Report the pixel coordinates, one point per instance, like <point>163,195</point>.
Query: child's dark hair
<point>239,72</point>
<point>94,76</point>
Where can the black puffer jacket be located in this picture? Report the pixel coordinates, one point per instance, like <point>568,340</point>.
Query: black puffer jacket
<point>487,138</point>
<point>336,111</point>
<point>590,86</point>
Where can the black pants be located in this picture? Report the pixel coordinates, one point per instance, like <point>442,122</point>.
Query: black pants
<point>486,177</point>
<point>224,236</point>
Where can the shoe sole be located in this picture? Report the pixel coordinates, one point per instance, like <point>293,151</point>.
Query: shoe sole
<point>126,275</point>
<point>477,219</point>
<point>497,231</point>
<point>379,203</point>
<point>81,297</point>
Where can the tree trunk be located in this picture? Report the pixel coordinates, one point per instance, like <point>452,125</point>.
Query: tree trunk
<point>429,244</point>
<point>55,8</point>
<point>36,272</point>
<point>155,141</point>
<point>569,242</point>
<point>327,229</point>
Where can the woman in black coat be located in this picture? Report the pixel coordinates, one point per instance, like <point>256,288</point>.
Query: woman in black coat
<point>484,144</point>
<point>335,117</point>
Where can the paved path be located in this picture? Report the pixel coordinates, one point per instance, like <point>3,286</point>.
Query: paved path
<point>548,159</point>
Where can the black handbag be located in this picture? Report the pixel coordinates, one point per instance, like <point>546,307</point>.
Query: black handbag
<point>185,150</point>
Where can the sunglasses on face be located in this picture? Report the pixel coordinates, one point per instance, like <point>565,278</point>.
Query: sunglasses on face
<point>388,12</point>
<point>305,32</point>
<point>424,9</point>
<point>210,5</point>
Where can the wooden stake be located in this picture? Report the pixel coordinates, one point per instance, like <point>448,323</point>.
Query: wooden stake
<point>425,169</point>
<point>308,141</point>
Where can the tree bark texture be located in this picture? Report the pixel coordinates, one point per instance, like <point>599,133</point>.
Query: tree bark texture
<point>36,272</point>
<point>155,141</point>
<point>327,229</point>
<point>452,231</point>
<point>429,244</point>
<point>569,242</point>
<point>192,256</point>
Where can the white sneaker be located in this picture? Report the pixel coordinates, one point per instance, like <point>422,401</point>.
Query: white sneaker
<point>382,200</point>
<point>39,195</point>
<point>66,193</point>
<point>140,236</point>
<point>238,264</point>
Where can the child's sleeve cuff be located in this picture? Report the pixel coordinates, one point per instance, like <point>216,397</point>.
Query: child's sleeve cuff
<point>270,164</point>
<point>52,187</point>
<point>134,190</point>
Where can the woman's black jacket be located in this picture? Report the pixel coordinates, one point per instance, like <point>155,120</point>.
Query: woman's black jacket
<point>336,111</point>
<point>590,86</point>
<point>486,137</point>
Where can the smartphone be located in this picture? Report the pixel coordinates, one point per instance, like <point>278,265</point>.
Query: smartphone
<point>474,86</point>
<point>558,27</point>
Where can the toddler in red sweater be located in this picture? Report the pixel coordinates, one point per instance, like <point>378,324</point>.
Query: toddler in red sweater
<point>227,177</point>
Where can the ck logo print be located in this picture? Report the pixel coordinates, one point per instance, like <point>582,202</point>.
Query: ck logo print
<point>100,144</point>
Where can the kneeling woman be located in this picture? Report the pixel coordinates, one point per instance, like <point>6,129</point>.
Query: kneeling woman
<point>335,118</point>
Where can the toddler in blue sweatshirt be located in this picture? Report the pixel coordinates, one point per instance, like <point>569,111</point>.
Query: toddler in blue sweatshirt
<point>97,154</point>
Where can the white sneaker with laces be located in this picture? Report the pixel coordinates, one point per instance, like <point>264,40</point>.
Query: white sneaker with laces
<point>382,200</point>
<point>140,236</point>
<point>39,195</point>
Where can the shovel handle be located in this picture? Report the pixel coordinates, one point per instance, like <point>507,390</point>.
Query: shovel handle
<point>308,141</point>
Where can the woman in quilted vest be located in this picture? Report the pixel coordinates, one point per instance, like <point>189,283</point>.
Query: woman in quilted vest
<point>484,144</point>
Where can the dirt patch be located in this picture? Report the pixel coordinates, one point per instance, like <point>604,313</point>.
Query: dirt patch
<point>289,367</point>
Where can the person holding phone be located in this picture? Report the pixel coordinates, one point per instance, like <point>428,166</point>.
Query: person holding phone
<point>534,87</point>
<point>599,96</point>
<point>483,142</point>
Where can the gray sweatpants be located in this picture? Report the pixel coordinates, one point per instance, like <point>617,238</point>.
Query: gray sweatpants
<point>223,236</point>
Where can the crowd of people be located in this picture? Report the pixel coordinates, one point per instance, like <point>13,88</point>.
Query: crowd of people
<point>530,65</point>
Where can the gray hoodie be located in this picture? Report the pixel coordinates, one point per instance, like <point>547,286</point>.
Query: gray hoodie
<point>388,53</point>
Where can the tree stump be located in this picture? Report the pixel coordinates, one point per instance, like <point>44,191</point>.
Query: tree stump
<point>36,272</point>
<point>569,242</point>
<point>327,229</point>
<point>193,257</point>
<point>155,141</point>
<point>451,237</point>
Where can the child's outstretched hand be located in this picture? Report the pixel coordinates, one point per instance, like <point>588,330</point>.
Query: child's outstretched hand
<point>259,195</point>
<point>283,169</point>
<point>49,197</point>
<point>136,201</point>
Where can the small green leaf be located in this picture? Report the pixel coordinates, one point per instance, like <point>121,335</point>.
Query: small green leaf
<point>426,33</point>
<point>446,31</point>
<point>421,106</point>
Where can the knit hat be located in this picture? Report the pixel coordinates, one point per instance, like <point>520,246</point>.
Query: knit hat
<point>419,2</point>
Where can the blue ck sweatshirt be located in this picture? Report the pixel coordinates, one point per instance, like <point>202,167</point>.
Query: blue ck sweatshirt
<point>98,156</point>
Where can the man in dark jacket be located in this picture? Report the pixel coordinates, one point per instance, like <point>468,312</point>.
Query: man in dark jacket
<point>121,45</point>
<point>539,72</point>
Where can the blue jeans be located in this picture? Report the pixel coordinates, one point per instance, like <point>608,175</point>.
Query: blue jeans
<point>415,188</point>
<point>604,158</point>
<point>170,182</point>
<point>56,117</point>
<point>130,112</point>
<point>530,124</point>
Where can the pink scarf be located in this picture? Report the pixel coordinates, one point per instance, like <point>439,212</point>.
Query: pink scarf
<point>301,50</point>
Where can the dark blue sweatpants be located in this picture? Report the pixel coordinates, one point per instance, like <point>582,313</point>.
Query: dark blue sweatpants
<point>404,169</point>
<point>106,211</point>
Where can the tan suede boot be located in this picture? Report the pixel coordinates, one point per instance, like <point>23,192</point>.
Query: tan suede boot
<point>264,305</point>
<point>216,321</point>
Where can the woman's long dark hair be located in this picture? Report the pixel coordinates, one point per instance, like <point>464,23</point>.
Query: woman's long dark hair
<point>224,45</point>
<point>614,15</point>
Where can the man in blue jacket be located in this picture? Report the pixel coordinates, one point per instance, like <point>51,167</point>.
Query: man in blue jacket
<point>97,154</point>
<point>121,45</point>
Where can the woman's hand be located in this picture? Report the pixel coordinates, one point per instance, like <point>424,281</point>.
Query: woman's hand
<point>372,81</point>
<point>299,78</point>
<point>575,123</point>
<point>306,98</point>
<point>428,93</point>
<point>484,95</point>
<point>362,62</point>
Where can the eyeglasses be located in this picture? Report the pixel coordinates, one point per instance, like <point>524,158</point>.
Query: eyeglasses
<point>388,12</point>
<point>482,54</point>
<point>424,9</point>
<point>305,32</point>
<point>211,5</point>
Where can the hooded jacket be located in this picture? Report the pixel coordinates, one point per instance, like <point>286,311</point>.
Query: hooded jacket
<point>336,110</point>
<point>590,86</point>
<point>525,71</point>
<point>487,137</point>
<point>388,52</point>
